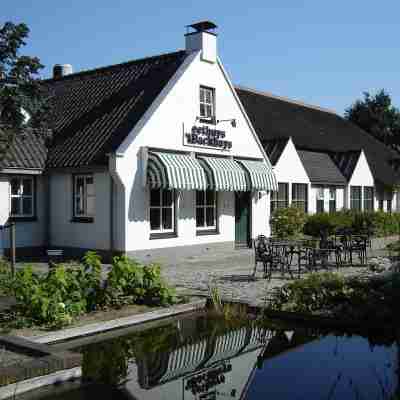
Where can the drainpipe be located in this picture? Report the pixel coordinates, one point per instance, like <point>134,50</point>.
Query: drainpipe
<point>115,182</point>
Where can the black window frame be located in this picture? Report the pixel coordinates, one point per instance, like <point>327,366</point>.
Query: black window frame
<point>278,201</point>
<point>296,200</point>
<point>356,200</point>
<point>368,201</point>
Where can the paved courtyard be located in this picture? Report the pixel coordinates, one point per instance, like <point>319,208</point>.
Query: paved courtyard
<point>231,272</point>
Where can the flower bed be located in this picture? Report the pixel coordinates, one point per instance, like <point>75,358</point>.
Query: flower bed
<point>67,291</point>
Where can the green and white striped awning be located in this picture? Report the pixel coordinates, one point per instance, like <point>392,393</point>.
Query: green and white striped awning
<point>175,171</point>
<point>261,176</point>
<point>225,174</point>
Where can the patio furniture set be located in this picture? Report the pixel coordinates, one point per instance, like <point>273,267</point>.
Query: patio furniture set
<point>307,255</point>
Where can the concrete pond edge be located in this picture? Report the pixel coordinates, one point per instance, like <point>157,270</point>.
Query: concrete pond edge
<point>66,363</point>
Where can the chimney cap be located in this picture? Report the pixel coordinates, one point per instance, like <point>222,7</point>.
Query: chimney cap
<point>202,26</point>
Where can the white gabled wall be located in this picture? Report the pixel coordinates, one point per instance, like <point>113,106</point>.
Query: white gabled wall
<point>289,169</point>
<point>163,125</point>
<point>362,176</point>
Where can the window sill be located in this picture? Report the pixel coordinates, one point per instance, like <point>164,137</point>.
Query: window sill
<point>84,220</point>
<point>22,219</point>
<point>206,232</point>
<point>163,235</point>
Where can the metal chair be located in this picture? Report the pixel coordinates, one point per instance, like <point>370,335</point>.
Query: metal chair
<point>260,253</point>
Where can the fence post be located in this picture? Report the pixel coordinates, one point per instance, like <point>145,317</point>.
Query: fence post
<point>12,247</point>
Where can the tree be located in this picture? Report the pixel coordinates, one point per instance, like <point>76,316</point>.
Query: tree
<point>24,104</point>
<point>377,116</point>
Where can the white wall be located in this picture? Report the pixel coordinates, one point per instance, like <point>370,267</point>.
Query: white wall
<point>289,169</point>
<point>163,126</point>
<point>312,209</point>
<point>28,233</point>
<point>63,232</point>
<point>362,176</point>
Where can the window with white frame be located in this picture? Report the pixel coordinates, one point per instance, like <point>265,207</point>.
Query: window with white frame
<point>162,210</point>
<point>22,196</point>
<point>84,196</point>
<point>299,196</point>
<point>280,199</point>
<point>206,210</point>
<point>320,199</point>
<point>368,198</point>
<point>207,103</point>
<point>332,200</point>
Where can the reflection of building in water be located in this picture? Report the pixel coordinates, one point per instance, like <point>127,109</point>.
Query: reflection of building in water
<point>208,367</point>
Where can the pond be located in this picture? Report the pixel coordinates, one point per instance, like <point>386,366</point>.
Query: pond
<point>201,357</point>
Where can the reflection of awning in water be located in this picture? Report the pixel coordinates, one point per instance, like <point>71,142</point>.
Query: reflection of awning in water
<point>192,356</point>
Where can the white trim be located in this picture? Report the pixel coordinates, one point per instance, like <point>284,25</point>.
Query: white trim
<point>21,171</point>
<point>21,196</point>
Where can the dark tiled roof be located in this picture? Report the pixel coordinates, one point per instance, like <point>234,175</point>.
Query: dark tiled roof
<point>95,110</point>
<point>274,148</point>
<point>315,129</point>
<point>321,169</point>
<point>346,161</point>
<point>28,151</point>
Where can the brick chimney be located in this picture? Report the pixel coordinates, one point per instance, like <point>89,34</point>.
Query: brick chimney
<point>201,37</point>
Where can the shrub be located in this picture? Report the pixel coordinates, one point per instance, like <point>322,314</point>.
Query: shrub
<point>320,225</point>
<point>130,282</point>
<point>375,223</point>
<point>288,222</point>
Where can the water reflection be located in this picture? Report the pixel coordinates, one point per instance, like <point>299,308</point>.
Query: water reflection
<point>201,358</point>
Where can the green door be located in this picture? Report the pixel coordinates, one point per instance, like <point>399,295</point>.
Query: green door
<point>242,219</point>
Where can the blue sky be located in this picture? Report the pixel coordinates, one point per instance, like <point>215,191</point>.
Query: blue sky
<point>321,52</point>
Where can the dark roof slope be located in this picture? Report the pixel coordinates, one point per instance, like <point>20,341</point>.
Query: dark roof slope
<point>346,161</point>
<point>315,129</point>
<point>95,110</point>
<point>27,151</point>
<point>274,148</point>
<point>321,169</point>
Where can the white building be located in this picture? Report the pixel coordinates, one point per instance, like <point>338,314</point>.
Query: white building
<point>150,154</point>
<point>322,162</point>
<point>163,153</point>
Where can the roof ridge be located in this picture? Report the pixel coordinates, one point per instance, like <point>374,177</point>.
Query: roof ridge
<point>286,99</point>
<point>110,67</point>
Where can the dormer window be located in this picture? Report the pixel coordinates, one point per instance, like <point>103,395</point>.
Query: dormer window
<point>207,104</point>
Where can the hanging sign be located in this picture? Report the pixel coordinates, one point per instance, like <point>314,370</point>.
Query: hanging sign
<point>204,136</point>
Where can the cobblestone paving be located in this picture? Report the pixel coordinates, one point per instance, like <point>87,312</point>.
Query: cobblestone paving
<point>232,274</point>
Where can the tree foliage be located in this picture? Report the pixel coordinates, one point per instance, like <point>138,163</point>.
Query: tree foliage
<point>376,115</point>
<point>24,103</point>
